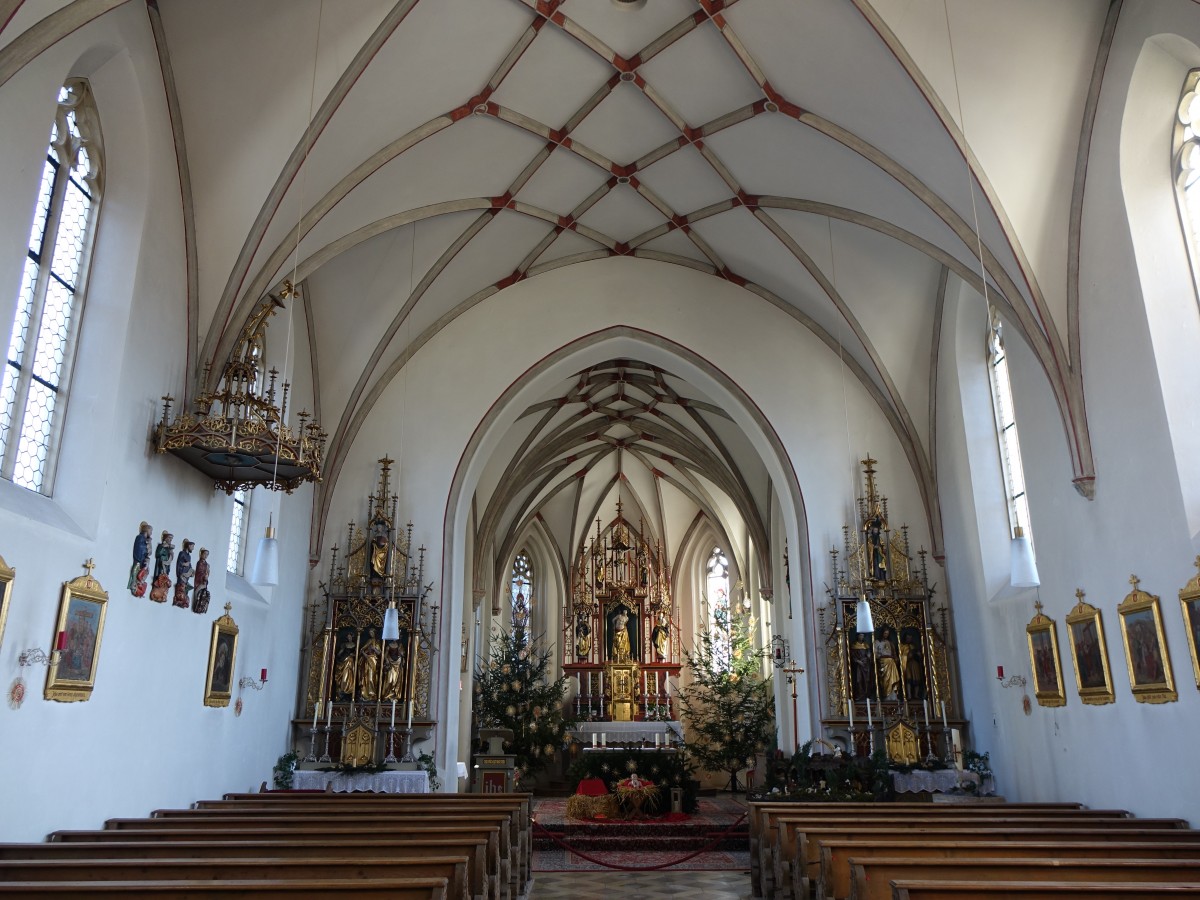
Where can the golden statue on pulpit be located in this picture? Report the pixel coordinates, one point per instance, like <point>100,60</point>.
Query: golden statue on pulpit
<point>623,678</point>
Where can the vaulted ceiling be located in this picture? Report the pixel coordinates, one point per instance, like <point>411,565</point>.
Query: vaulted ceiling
<point>842,160</point>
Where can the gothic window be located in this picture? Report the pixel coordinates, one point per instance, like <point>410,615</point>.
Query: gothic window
<point>717,592</point>
<point>1186,155</point>
<point>522,589</point>
<point>237,532</point>
<point>1006,429</point>
<point>37,370</point>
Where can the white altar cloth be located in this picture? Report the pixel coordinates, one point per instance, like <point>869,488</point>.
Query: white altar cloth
<point>627,732</point>
<point>389,782</point>
<point>936,781</point>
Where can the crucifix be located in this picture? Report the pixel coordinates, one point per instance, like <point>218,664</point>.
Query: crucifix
<point>792,671</point>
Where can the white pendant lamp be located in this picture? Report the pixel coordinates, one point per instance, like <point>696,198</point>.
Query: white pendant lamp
<point>266,563</point>
<point>391,623</point>
<point>1024,567</point>
<point>864,623</point>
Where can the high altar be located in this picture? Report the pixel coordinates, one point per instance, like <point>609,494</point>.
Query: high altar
<point>892,680</point>
<point>364,688</point>
<point>621,641</point>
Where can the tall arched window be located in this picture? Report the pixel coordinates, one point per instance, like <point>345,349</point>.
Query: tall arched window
<point>1186,162</point>
<point>237,532</point>
<point>41,347</point>
<point>717,592</point>
<point>522,589</point>
<point>1006,428</point>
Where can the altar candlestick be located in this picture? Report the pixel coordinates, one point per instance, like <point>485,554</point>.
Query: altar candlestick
<point>657,740</point>
<point>603,739</point>
<point>601,686</point>
<point>393,713</point>
<point>925,704</point>
<point>944,726</point>
<point>870,721</point>
<point>851,705</point>
<point>316,711</point>
<point>410,712</point>
<point>595,737</point>
<point>329,714</point>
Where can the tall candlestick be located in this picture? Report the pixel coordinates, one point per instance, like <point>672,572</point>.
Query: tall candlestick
<point>944,726</point>
<point>870,721</point>
<point>393,713</point>
<point>316,710</point>
<point>851,705</point>
<point>329,714</point>
<point>925,704</point>
<point>602,688</point>
<point>578,685</point>
<point>410,712</point>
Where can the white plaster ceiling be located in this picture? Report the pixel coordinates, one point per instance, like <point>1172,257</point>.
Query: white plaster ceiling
<point>426,154</point>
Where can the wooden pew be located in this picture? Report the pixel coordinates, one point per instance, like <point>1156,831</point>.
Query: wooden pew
<point>762,828</point>
<point>376,819</point>
<point>389,889</point>
<point>871,879</point>
<point>1034,890</point>
<point>496,867</point>
<point>520,806</point>
<point>836,855</point>
<point>805,860</point>
<point>451,868</point>
<point>481,884</point>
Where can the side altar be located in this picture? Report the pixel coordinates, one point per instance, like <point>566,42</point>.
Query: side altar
<point>369,667</point>
<point>621,642</point>
<point>888,678</point>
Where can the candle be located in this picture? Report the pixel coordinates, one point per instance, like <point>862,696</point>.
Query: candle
<point>410,712</point>
<point>603,739</point>
<point>329,714</point>
<point>1000,672</point>
<point>870,721</point>
<point>944,726</point>
<point>393,713</point>
<point>851,705</point>
<point>925,704</point>
<point>595,737</point>
<point>578,685</point>
<point>602,685</point>
<point>263,678</point>
<point>61,641</point>
<point>316,710</point>
<point>657,740</point>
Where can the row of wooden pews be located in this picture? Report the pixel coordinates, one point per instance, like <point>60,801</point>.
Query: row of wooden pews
<point>291,845</point>
<point>914,851</point>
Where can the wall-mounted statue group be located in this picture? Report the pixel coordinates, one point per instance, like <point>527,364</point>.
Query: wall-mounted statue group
<point>191,578</point>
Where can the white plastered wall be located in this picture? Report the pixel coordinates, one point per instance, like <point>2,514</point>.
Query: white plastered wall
<point>144,740</point>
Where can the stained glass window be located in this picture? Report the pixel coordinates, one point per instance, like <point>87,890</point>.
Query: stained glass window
<point>36,377</point>
<point>717,592</point>
<point>1006,429</point>
<point>522,589</point>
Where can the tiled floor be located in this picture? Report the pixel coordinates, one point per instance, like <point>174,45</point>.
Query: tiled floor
<point>605,885</point>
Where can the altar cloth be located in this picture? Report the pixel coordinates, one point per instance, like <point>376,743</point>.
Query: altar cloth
<point>389,782</point>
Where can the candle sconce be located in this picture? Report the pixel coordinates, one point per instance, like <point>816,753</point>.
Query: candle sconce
<point>781,651</point>
<point>258,684</point>
<point>1013,681</point>
<point>37,656</point>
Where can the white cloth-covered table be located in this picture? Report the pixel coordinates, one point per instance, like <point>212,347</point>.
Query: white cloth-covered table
<point>390,782</point>
<point>627,732</point>
<point>938,781</point>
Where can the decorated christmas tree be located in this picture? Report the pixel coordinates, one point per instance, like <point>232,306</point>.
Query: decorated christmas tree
<point>729,707</point>
<point>513,691</point>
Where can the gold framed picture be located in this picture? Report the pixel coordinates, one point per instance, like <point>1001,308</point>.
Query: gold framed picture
<point>1089,653</point>
<point>1043,658</point>
<point>77,635</point>
<point>1189,600</point>
<point>1146,655</point>
<point>7,575</point>
<point>222,653</point>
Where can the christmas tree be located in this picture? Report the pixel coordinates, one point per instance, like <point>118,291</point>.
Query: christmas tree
<point>513,691</point>
<point>729,707</point>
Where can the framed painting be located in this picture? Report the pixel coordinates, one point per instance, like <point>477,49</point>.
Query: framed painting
<point>7,575</point>
<point>1146,654</point>
<point>1043,658</point>
<point>222,653</point>
<point>1089,653</point>
<point>81,609</point>
<point>1189,600</point>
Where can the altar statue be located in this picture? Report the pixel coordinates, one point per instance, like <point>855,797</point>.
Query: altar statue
<point>621,650</point>
<point>368,668</point>
<point>393,671</point>
<point>660,636</point>
<point>889,671</point>
<point>583,637</point>
<point>343,673</point>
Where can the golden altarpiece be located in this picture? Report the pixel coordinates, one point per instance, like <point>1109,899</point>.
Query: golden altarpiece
<point>621,638</point>
<point>364,685</point>
<point>891,680</point>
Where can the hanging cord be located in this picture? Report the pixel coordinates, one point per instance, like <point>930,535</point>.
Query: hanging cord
<point>841,356</point>
<point>720,836</point>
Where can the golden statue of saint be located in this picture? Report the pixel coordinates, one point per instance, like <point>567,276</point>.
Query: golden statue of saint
<point>343,672</point>
<point>393,671</point>
<point>620,642</point>
<point>368,668</point>
<point>889,671</point>
<point>379,551</point>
